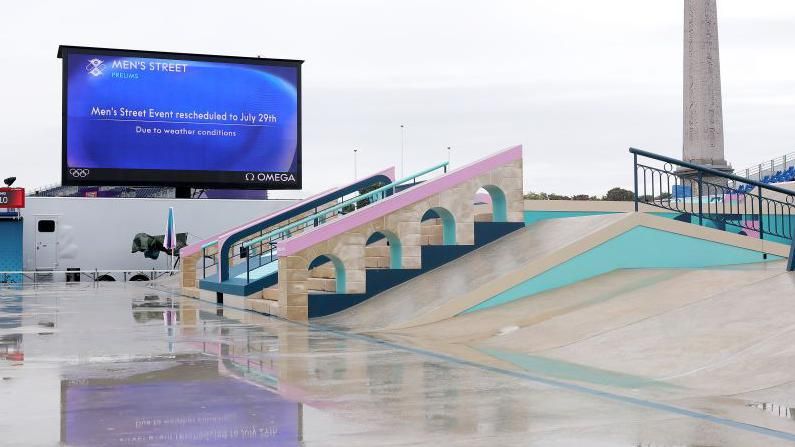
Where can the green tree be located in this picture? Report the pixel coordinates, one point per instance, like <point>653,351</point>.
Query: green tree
<point>619,195</point>
<point>536,196</point>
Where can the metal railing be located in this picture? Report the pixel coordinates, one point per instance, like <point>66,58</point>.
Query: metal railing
<point>263,247</point>
<point>96,275</point>
<point>271,239</point>
<point>238,253</point>
<point>728,201</point>
<point>768,168</point>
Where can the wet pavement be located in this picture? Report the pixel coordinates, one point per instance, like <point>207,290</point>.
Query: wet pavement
<point>128,365</point>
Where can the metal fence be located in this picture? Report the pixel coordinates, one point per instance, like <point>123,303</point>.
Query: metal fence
<point>96,275</point>
<point>263,247</point>
<point>768,168</point>
<point>710,197</point>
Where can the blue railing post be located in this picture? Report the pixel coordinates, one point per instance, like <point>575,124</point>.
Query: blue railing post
<point>761,225</point>
<point>636,182</point>
<point>700,199</point>
<point>791,259</point>
<point>248,268</point>
<point>204,262</point>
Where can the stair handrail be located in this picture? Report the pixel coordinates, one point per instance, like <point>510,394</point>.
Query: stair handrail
<point>764,213</point>
<point>708,170</point>
<point>339,206</point>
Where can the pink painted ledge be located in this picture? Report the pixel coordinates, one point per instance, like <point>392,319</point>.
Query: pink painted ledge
<point>221,237</point>
<point>398,201</point>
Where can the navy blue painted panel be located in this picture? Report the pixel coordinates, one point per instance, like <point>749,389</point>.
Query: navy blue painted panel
<point>323,304</point>
<point>383,279</point>
<point>486,232</point>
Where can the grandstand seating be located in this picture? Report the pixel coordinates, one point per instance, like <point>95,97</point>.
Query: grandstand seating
<point>780,176</point>
<point>787,175</point>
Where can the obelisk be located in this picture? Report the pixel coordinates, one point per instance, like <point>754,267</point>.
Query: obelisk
<point>703,109</point>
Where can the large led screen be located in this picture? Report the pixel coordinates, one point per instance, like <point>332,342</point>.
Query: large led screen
<point>151,118</point>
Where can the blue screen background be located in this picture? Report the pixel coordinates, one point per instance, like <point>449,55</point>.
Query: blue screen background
<point>108,142</point>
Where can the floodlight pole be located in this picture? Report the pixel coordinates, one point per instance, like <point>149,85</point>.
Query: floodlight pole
<point>355,168</point>
<point>402,149</point>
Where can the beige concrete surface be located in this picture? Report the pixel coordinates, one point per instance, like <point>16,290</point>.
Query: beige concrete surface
<point>717,339</point>
<point>455,280</point>
<point>112,342</point>
<point>586,205</point>
<point>482,274</point>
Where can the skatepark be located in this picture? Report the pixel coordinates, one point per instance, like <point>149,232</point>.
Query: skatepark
<point>458,224</point>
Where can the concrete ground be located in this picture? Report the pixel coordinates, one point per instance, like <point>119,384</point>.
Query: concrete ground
<point>717,341</point>
<point>127,365</point>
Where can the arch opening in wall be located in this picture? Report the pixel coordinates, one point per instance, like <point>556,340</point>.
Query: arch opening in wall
<point>437,227</point>
<point>326,275</point>
<point>383,250</point>
<point>490,204</point>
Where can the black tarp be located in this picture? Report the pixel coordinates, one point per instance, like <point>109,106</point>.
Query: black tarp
<point>153,245</point>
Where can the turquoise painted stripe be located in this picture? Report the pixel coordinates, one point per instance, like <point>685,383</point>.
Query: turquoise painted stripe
<point>261,272</point>
<point>640,247</point>
<point>563,370</point>
<point>531,217</point>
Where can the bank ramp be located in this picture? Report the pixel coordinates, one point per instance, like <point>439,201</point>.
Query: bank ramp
<point>548,255</point>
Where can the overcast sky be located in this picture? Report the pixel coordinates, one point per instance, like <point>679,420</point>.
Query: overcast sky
<point>576,82</point>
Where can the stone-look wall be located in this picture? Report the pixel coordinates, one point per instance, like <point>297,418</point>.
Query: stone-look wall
<point>349,248</point>
<point>431,232</point>
<point>323,278</point>
<point>188,272</point>
<point>376,255</point>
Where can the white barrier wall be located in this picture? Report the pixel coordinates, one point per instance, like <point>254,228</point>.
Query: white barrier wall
<point>97,233</point>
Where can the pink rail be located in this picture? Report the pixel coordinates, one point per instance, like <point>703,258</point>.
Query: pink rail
<point>397,201</point>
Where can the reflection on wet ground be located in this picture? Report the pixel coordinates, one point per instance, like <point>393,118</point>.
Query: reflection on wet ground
<point>127,365</point>
<point>782,411</point>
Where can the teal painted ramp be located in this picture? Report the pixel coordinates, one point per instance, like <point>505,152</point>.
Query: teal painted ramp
<point>640,247</point>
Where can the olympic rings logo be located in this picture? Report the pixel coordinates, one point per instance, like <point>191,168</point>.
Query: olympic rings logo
<point>79,172</point>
